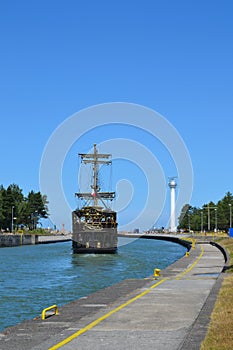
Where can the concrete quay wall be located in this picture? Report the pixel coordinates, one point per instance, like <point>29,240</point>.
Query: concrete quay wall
<point>53,239</point>
<point>177,238</point>
<point>14,240</point>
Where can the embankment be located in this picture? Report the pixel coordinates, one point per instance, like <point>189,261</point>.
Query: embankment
<point>179,239</point>
<point>14,240</point>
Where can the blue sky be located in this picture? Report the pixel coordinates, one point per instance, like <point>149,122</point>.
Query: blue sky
<point>174,57</point>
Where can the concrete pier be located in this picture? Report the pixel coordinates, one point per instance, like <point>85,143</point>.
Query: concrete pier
<point>15,240</point>
<point>167,313</point>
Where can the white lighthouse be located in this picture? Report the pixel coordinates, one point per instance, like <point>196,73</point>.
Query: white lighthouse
<point>172,184</point>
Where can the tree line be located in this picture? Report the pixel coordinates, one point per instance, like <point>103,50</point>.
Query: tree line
<point>19,211</point>
<point>210,217</point>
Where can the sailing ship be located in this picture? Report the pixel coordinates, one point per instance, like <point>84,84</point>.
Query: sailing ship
<point>94,225</point>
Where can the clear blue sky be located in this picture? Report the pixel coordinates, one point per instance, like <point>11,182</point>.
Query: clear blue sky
<point>175,57</point>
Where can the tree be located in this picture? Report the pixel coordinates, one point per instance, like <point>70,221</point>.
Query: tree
<point>36,208</point>
<point>209,217</point>
<point>184,217</point>
<point>1,206</point>
<point>19,210</point>
<point>224,211</point>
<point>11,197</point>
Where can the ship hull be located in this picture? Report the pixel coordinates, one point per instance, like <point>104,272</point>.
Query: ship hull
<point>87,239</point>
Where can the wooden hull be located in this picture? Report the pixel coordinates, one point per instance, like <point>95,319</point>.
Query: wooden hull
<point>87,239</point>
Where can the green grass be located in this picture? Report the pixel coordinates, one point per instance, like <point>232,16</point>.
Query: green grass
<point>220,331</point>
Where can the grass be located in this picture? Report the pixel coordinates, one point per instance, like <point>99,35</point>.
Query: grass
<point>220,332</point>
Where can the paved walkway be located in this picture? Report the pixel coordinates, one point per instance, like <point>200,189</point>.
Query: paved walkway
<point>169,313</point>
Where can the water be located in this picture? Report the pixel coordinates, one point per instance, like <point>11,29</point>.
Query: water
<point>35,277</point>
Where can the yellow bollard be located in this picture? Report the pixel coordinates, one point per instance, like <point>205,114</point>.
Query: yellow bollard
<point>187,254</point>
<point>53,307</point>
<point>156,273</point>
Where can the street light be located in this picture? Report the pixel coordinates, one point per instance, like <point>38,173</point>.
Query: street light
<point>208,208</point>
<point>12,219</point>
<point>189,221</point>
<point>230,215</point>
<point>201,221</point>
<point>216,220</point>
<point>34,219</point>
<point>208,218</point>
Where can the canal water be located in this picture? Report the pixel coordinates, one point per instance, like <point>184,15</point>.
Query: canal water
<point>37,276</point>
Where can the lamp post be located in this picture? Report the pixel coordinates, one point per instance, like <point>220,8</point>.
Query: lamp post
<point>189,222</point>
<point>216,220</point>
<point>201,221</point>
<point>208,218</point>
<point>12,219</point>
<point>208,208</point>
<point>230,215</point>
<point>35,219</point>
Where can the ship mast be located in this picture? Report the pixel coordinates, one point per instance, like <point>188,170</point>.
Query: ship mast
<point>95,176</point>
<point>96,159</point>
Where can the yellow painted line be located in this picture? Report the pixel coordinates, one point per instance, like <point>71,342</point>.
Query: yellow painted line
<point>122,306</point>
<point>191,266</point>
<point>102,318</point>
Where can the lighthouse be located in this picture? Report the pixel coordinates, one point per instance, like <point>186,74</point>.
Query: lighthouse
<point>172,184</point>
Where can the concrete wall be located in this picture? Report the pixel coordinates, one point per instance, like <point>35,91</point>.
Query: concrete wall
<point>16,240</point>
<point>52,239</point>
